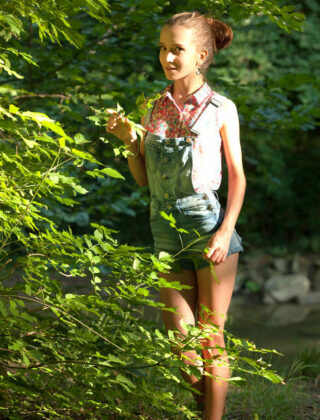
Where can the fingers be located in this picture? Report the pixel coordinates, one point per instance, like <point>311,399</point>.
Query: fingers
<point>215,255</point>
<point>114,121</point>
<point>120,127</point>
<point>110,111</point>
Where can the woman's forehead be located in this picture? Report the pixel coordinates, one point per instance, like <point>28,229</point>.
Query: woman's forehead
<point>176,34</point>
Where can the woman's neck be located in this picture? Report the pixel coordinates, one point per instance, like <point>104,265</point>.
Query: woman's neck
<point>182,89</point>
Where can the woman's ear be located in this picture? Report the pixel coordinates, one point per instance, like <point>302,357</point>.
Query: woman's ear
<point>202,57</point>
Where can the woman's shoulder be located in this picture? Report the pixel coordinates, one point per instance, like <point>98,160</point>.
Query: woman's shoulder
<point>226,108</point>
<point>224,103</point>
<point>220,100</point>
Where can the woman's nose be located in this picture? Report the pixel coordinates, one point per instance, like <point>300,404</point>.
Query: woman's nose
<point>169,57</point>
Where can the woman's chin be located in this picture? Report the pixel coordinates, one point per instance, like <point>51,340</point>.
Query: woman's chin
<point>171,76</point>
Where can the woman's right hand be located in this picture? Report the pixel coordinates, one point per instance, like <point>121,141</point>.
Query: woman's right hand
<point>120,127</point>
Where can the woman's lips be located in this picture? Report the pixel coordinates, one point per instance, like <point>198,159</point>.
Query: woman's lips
<point>171,68</point>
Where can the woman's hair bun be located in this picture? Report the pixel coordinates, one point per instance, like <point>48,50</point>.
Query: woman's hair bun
<point>222,34</point>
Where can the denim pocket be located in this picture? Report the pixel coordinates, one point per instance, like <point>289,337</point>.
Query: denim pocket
<point>202,211</point>
<point>202,207</point>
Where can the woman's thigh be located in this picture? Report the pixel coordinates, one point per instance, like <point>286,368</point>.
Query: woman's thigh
<point>184,300</point>
<point>215,290</point>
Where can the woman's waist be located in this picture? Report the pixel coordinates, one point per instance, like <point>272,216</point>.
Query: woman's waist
<point>180,203</point>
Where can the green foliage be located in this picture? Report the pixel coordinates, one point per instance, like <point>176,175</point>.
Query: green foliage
<point>286,17</point>
<point>91,353</point>
<point>274,81</point>
<point>88,353</point>
<point>269,75</point>
<point>54,19</point>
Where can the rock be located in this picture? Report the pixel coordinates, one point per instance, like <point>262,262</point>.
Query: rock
<point>300,264</point>
<point>284,287</point>
<point>281,264</point>
<point>287,314</point>
<point>295,264</point>
<point>268,298</point>
<point>310,298</point>
<point>270,272</point>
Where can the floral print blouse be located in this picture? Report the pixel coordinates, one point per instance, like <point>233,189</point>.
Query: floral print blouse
<point>168,120</point>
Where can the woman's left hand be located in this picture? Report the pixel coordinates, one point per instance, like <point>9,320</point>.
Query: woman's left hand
<point>218,247</point>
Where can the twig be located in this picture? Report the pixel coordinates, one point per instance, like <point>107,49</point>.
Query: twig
<point>42,95</point>
<point>48,305</point>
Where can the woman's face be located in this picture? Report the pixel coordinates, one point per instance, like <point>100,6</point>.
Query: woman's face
<point>178,55</point>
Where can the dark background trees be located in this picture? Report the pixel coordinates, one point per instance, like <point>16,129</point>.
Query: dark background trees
<point>271,75</point>
<point>73,338</point>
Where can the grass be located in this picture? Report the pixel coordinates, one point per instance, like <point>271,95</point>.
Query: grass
<point>298,399</point>
<point>262,400</point>
<point>259,399</point>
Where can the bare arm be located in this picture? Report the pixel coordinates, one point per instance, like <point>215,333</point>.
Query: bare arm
<point>120,127</point>
<point>236,179</point>
<point>137,164</point>
<point>219,242</point>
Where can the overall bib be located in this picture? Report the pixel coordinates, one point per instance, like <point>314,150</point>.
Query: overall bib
<point>169,164</point>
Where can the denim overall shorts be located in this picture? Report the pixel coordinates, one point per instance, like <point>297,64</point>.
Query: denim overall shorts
<point>199,215</point>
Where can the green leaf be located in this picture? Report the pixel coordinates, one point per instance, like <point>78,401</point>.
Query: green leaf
<point>98,235</point>
<point>84,155</point>
<point>112,172</point>
<point>136,264</point>
<point>3,309</point>
<point>125,382</point>
<point>26,360</point>
<point>80,139</point>
<point>62,142</point>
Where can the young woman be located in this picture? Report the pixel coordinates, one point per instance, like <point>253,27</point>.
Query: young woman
<point>180,159</point>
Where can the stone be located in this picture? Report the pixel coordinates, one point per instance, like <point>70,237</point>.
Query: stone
<point>269,272</point>
<point>285,287</point>
<point>268,299</point>
<point>310,298</point>
<point>287,314</point>
<point>295,264</point>
<point>301,264</point>
<point>281,264</point>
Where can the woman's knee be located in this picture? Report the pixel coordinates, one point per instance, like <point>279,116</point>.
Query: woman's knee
<point>214,347</point>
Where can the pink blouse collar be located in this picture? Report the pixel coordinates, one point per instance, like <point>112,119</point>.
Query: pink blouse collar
<point>196,98</point>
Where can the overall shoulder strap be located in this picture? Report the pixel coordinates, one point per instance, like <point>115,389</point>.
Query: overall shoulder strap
<point>217,100</point>
<point>213,104</point>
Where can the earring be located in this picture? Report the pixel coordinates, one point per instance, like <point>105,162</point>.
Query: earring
<point>199,71</point>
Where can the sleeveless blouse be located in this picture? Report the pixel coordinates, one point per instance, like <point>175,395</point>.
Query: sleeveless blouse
<point>168,120</point>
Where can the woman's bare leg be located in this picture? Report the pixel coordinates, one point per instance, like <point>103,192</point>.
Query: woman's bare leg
<point>185,301</point>
<point>216,296</point>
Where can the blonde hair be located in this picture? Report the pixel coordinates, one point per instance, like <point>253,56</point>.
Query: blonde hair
<point>210,34</point>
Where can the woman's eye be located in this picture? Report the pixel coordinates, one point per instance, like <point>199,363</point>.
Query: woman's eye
<point>161,48</point>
